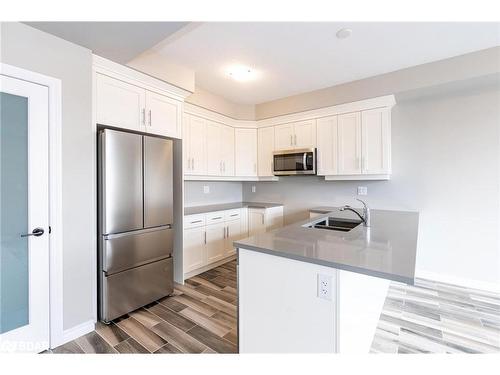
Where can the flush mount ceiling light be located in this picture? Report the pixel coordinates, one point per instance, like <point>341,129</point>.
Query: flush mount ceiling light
<point>344,33</point>
<point>241,73</point>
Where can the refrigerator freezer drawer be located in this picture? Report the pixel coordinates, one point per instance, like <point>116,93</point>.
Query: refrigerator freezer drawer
<point>128,290</point>
<point>126,250</point>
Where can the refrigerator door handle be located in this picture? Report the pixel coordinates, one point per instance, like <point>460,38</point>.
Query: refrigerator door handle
<point>141,231</point>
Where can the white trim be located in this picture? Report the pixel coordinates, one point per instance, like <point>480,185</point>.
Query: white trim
<point>228,178</point>
<point>360,105</point>
<point>449,279</point>
<point>76,331</point>
<point>358,177</point>
<point>193,109</point>
<point>137,78</point>
<point>55,193</point>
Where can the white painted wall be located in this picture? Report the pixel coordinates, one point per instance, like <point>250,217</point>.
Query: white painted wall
<point>445,155</point>
<point>220,192</point>
<point>31,49</point>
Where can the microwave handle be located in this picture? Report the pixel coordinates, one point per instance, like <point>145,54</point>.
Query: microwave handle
<point>304,161</point>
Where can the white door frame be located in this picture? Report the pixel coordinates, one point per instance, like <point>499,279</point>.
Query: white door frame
<point>55,195</point>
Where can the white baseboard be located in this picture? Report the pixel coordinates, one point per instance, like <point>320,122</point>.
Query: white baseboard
<point>76,331</point>
<point>468,283</point>
<point>197,271</point>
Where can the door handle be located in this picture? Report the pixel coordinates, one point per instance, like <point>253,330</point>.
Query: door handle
<point>149,117</point>
<point>37,232</point>
<point>144,116</point>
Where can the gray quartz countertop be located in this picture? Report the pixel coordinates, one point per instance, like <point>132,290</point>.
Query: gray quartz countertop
<point>386,249</point>
<point>227,206</point>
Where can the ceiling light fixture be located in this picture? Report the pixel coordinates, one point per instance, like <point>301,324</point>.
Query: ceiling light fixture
<point>344,33</point>
<point>241,73</point>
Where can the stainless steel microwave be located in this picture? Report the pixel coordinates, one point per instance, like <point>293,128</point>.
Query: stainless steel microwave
<point>293,162</point>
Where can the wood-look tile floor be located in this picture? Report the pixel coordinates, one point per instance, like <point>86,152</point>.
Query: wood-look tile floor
<point>429,317</point>
<point>199,318</point>
<point>433,317</point>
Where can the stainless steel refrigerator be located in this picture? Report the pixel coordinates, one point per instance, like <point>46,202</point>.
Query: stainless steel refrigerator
<point>135,221</point>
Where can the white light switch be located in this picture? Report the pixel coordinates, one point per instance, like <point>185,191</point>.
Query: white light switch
<point>253,188</point>
<point>206,189</point>
<point>362,190</point>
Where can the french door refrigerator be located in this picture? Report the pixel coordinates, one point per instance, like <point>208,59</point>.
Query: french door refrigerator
<point>135,202</point>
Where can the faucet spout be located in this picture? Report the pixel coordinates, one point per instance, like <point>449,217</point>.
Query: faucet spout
<point>365,218</point>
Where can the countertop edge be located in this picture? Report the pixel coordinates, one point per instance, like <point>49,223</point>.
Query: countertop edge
<point>340,266</point>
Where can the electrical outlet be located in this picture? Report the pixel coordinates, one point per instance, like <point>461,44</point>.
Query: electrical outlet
<point>206,189</point>
<point>362,190</point>
<point>325,287</point>
<point>253,188</point>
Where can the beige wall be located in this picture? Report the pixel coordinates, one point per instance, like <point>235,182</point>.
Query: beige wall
<point>216,103</point>
<point>158,66</point>
<point>31,49</point>
<point>458,68</point>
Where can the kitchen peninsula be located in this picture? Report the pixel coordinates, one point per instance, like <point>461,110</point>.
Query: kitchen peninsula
<point>306,288</point>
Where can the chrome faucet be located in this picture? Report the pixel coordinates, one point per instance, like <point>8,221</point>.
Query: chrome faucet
<point>366,212</point>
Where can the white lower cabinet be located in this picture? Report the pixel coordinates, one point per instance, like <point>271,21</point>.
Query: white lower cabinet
<point>215,242</point>
<point>209,237</point>
<point>194,242</point>
<point>262,219</point>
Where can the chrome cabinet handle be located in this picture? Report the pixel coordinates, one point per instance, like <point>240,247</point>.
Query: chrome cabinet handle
<point>149,117</point>
<point>291,140</point>
<point>217,218</point>
<point>295,139</point>
<point>205,237</point>
<point>262,219</point>
<point>37,232</point>
<point>196,221</point>
<point>227,231</point>
<point>144,116</point>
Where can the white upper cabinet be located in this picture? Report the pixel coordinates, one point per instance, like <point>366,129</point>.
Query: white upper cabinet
<point>265,151</point>
<point>327,144</point>
<point>295,135</point>
<point>305,134</point>
<point>245,145</point>
<point>349,143</point>
<point>283,137</point>
<point>194,143</point>
<point>227,150</point>
<point>163,115</point>
<point>213,148</point>
<point>375,141</point>
<point>119,103</point>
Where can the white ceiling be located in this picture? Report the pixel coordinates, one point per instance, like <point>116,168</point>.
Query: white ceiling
<point>299,57</point>
<point>117,41</point>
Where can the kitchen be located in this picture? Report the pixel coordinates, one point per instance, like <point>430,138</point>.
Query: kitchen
<point>256,188</point>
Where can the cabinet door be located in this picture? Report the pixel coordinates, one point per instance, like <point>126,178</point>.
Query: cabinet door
<point>349,143</point>
<point>283,137</point>
<point>119,104</point>
<point>163,115</point>
<point>194,249</point>
<point>245,144</point>
<point>233,233</point>
<point>215,242</point>
<point>256,221</point>
<point>375,141</point>
<point>265,151</point>
<point>327,149</point>
<point>196,146</point>
<point>213,148</point>
<point>304,134</point>
<point>227,150</point>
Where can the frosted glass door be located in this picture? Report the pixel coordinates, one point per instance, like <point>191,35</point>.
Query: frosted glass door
<point>24,216</point>
<point>14,212</point>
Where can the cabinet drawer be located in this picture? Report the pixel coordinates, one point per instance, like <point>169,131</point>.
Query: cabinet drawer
<point>193,221</point>
<point>215,217</point>
<point>232,214</point>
